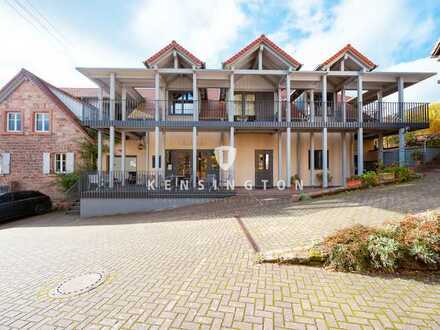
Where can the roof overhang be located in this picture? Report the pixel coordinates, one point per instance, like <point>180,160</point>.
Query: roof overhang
<point>435,53</point>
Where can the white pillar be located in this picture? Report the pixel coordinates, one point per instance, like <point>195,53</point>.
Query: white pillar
<point>100,104</point>
<point>288,134</point>
<point>194,157</point>
<point>163,144</point>
<point>100,116</point>
<point>156,96</point>
<point>324,133</point>
<point>156,153</point>
<point>112,128</point>
<point>280,106</point>
<point>112,95</point>
<point>344,105</point>
<point>156,129</point>
<point>111,156</point>
<point>380,105</point>
<point>312,159</point>
<point>124,102</point>
<point>380,148</point>
<point>231,98</point>
<point>344,159</point>
<point>232,145</point>
<point>298,154</point>
<point>99,160</point>
<point>288,105</point>
<point>400,87</point>
<point>360,136</point>
<point>147,153</point>
<point>280,156</point>
<point>324,158</point>
<point>312,105</point>
<point>195,98</point>
<point>324,97</point>
<point>123,157</point>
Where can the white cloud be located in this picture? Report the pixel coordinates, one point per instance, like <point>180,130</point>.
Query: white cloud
<point>206,28</point>
<point>30,47</point>
<point>377,28</point>
<point>425,91</point>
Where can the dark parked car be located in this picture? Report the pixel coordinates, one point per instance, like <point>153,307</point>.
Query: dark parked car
<point>23,203</point>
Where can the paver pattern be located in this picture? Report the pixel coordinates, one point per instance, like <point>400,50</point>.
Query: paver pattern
<point>193,268</point>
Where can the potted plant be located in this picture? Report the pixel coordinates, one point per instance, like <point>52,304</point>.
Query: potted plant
<point>319,176</point>
<point>387,175</point>
<point>354,182</point>
<point>293,180</point>
<point>417,156</point>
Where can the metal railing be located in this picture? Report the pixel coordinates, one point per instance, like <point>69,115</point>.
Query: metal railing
<point>259,111</point>
<point>151,184</point>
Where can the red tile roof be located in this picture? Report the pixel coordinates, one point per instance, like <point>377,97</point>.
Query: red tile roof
<point>355,52</point>
<point>263,40</point>
<point>173,45</point>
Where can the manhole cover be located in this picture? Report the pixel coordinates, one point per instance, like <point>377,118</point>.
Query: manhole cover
<point>78,285</point>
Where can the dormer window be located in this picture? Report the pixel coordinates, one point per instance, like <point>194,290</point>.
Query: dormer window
<point>181,103</point>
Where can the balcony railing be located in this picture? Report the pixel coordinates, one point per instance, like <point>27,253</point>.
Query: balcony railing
<point>260,111</point>
<point>149,184</point>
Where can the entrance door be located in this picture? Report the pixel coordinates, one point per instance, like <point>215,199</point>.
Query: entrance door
<point>263,168</point>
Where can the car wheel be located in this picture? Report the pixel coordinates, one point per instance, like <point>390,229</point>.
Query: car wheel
<point>41,208</point>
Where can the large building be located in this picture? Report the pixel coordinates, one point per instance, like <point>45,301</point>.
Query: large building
<point>283,122</point>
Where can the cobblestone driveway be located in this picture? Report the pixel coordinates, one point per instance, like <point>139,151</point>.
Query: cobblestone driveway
<point>194,268</point>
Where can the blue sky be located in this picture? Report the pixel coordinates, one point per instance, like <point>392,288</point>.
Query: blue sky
<point>395,34</point>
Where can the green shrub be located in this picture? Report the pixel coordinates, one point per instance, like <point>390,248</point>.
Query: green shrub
<point>370,179</point>
<point>413,243</point>
<point>421,250</point>
<point>304,196</point>
<point>402,173</point>
<point>65,181</point>
<point>347,249</point>
<point>384,251</point>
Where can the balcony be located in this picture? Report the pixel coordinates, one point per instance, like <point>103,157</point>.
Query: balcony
<point>265,113</point>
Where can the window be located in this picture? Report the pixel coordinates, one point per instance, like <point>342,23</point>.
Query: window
<point>318,160</point>
<point>14,122</point>
<point>244,104</point>
<point>181,103</point>
<point>130,163</point>
<point>154,161</point>
<point>60,163</point>
<point>42,122</point>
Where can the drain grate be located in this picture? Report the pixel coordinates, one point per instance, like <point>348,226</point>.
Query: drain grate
<point>78,285</point>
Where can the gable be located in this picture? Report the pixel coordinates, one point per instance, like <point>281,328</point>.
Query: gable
<point>353,59</point>
<point>262,53</point>
<point>174,56</point>
<point>43,93</point>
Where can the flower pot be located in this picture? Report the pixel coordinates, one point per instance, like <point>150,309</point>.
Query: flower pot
<point>354,183</point>
<point>386,177</point>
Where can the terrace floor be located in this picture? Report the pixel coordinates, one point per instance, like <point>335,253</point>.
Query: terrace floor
<point>194,267</point>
